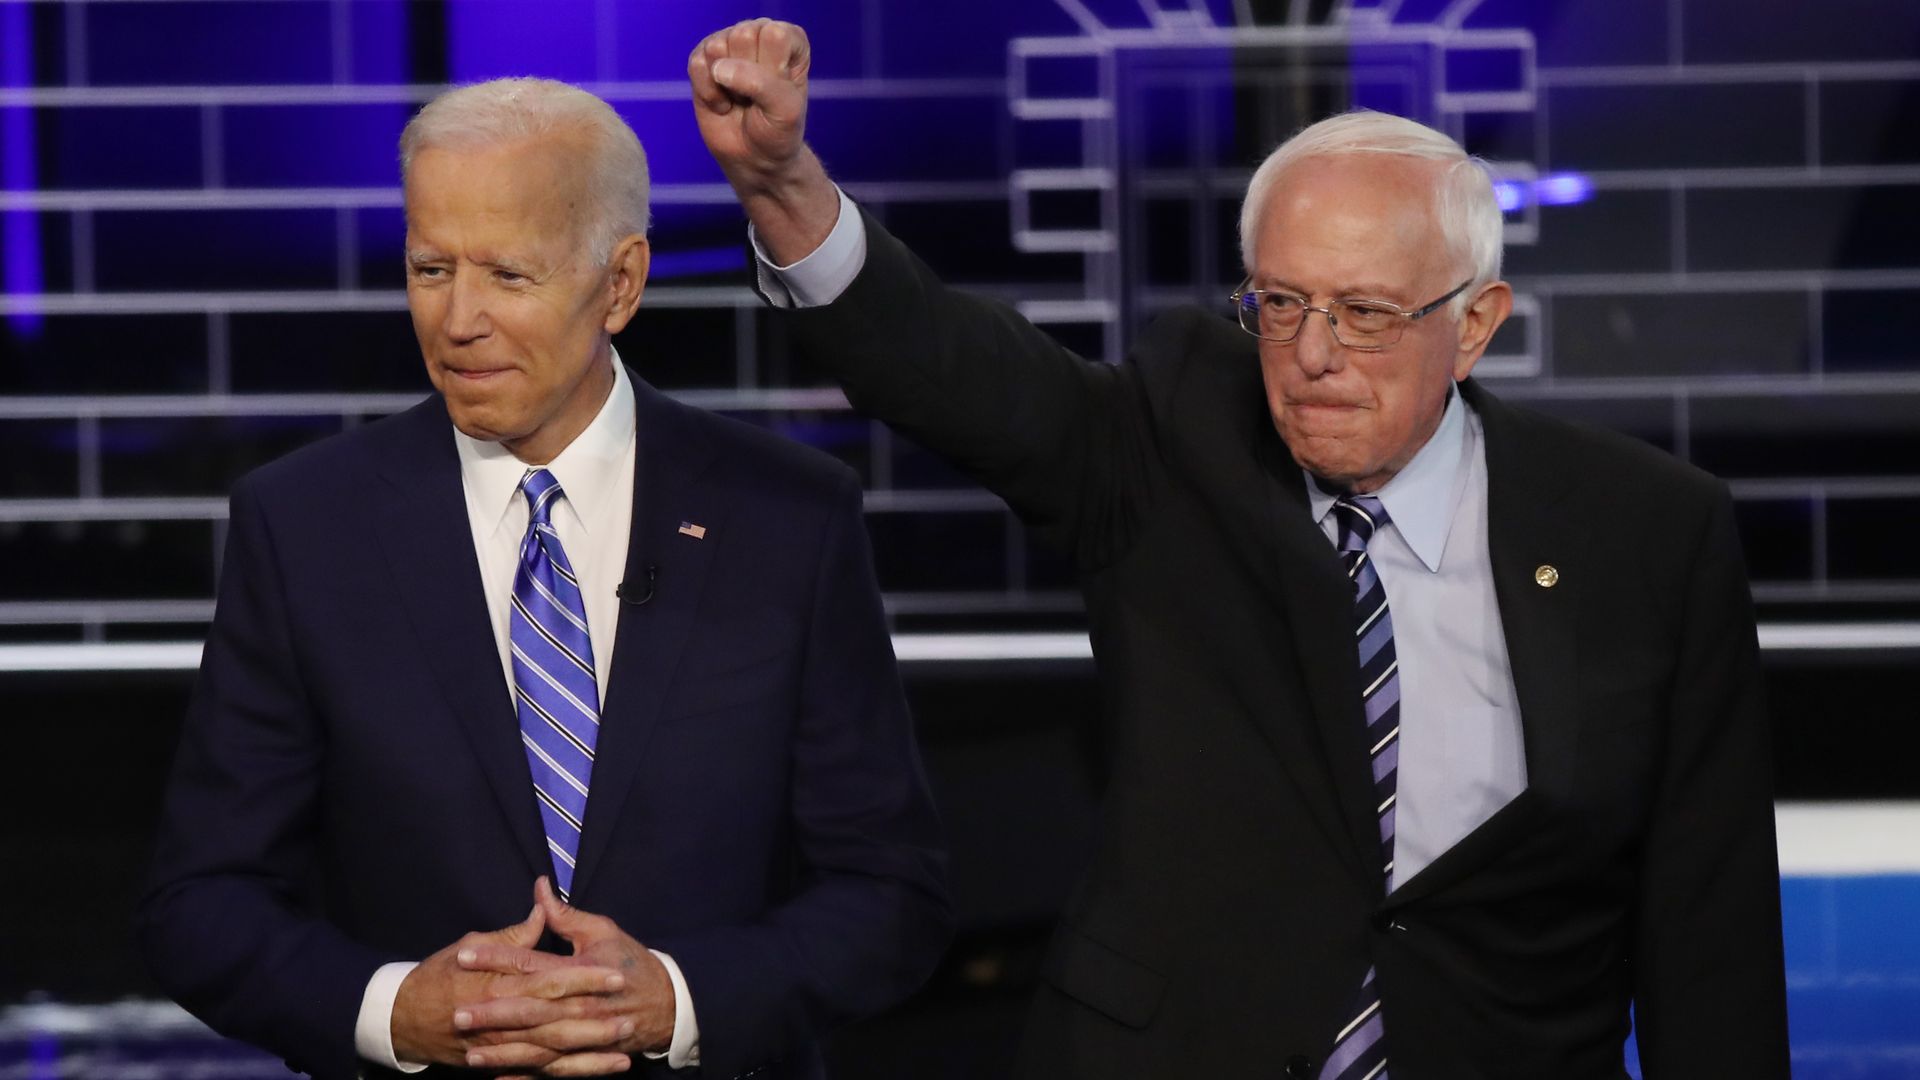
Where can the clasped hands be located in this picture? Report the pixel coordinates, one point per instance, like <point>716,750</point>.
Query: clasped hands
<point>491,1001</point>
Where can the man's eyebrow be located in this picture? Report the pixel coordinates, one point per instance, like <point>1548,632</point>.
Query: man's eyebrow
<point>1272,284</point>
<point>1368,290</point>
<point>507,263</point>
<point>418,256</point>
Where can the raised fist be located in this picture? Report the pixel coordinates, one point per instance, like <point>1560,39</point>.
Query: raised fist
<point>750,97</point>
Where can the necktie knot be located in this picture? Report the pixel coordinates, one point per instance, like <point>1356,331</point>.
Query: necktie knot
<point>542,491</point>
<point>1357,516</point>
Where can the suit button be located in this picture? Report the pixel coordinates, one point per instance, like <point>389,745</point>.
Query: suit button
<point>1299,1067</point>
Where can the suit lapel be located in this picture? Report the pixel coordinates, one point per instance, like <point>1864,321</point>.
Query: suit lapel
<point>1259,500</point>
<point>422,529</point>
<point>673,452</point>
<point>1537,546</point>
<point>1529,533</point>
<point>1319,597</point>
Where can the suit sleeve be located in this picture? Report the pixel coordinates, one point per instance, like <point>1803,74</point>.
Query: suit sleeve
<point>1063,440</point>
<point>870,918</point>
<point>226,924</point>
<point>1710,988</point>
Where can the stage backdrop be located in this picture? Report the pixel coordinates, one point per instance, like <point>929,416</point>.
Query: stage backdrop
<point>1713,231</point>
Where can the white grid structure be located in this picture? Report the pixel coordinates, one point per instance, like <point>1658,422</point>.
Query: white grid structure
<point>1076,110</point>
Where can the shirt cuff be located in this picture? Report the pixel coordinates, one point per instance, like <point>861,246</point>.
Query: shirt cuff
<point>819,278</point>
<point>684,1051</point>
<point>373,1031</point>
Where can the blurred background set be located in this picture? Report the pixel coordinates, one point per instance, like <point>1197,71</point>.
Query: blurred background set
<point>1713,229</point>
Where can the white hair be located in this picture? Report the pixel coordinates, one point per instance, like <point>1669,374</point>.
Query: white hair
<point>1464,201</point>
<point>508,110</point>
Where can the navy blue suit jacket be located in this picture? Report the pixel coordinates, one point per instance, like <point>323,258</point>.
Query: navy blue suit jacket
<point>351,788</point>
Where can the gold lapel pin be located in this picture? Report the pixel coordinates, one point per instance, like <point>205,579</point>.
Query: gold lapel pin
<point>1546,576</point>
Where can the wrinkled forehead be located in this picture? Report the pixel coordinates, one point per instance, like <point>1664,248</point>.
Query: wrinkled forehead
<point>532,186</point>
<point>545,167</point>
<point>1340,215</point>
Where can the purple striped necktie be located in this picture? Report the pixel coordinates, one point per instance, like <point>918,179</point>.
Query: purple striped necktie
<point>1360,1049</point>
<point>554,690</point>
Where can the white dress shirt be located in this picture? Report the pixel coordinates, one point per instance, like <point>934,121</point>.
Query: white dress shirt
<point>1461,753</point>
<point>594,520</point>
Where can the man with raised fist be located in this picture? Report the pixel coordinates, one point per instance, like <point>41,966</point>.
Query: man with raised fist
<point>1435,725</point>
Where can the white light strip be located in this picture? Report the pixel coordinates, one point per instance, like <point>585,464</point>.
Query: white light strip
<point>1758,176</point>
<point>1828,637</point>
<point>347,198</point>
<point>129,509</point>
<point>1061,179</point>
<point>1866,590</point>
<point>914,648</point>
<point>673,91</point>
<point>312,301</point>
<point>164,199</point>
<point>1655,282</point>
<point>910,648</point>
<point>102,656</point>
<point>1068,311</point>
<point>1848,839</point>
<point>121,1019</point>
<point>1797,73</point>
<point>185,655</point>
<point>57,612</point>
<point>1841,487</point>
<point>49,407</point>
<point>956,500</point>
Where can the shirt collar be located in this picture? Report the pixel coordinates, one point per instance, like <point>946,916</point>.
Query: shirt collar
<point>587,468</point>
<point>1420,498</point>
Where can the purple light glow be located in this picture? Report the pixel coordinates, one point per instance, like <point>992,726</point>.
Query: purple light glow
<point>19,229</point>
<point>1558,189</point>
<point>1562,189</point>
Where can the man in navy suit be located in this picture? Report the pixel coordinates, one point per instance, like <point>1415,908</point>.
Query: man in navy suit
<point>551,638</point>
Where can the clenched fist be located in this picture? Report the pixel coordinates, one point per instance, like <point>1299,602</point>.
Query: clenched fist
<point>750,97</point>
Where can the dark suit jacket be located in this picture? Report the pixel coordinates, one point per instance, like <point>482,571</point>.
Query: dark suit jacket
<point>351,788</point>
<point>1234,897</point>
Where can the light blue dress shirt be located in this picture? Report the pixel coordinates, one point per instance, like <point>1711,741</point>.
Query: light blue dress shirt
<point>1461,753</point>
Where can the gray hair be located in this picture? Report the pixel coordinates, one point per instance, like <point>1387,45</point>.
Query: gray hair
<point>506,110</point>
<point>1464,200</point>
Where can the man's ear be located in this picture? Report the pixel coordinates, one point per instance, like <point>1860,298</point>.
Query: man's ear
<point>627,280</point>
<point>1484,314</point>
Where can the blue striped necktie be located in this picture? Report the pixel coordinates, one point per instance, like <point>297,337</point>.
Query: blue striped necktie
<point>1360,1049</point>
<point>553,685</point>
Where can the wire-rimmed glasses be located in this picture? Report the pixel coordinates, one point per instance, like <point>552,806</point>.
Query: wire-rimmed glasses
<point>1368,325</point>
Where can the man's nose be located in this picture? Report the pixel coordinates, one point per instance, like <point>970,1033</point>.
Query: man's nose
<point>1315,348</point>
<point>466,318</point>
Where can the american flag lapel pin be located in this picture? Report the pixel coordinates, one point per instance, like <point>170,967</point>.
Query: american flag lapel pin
<point>688,528</point>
